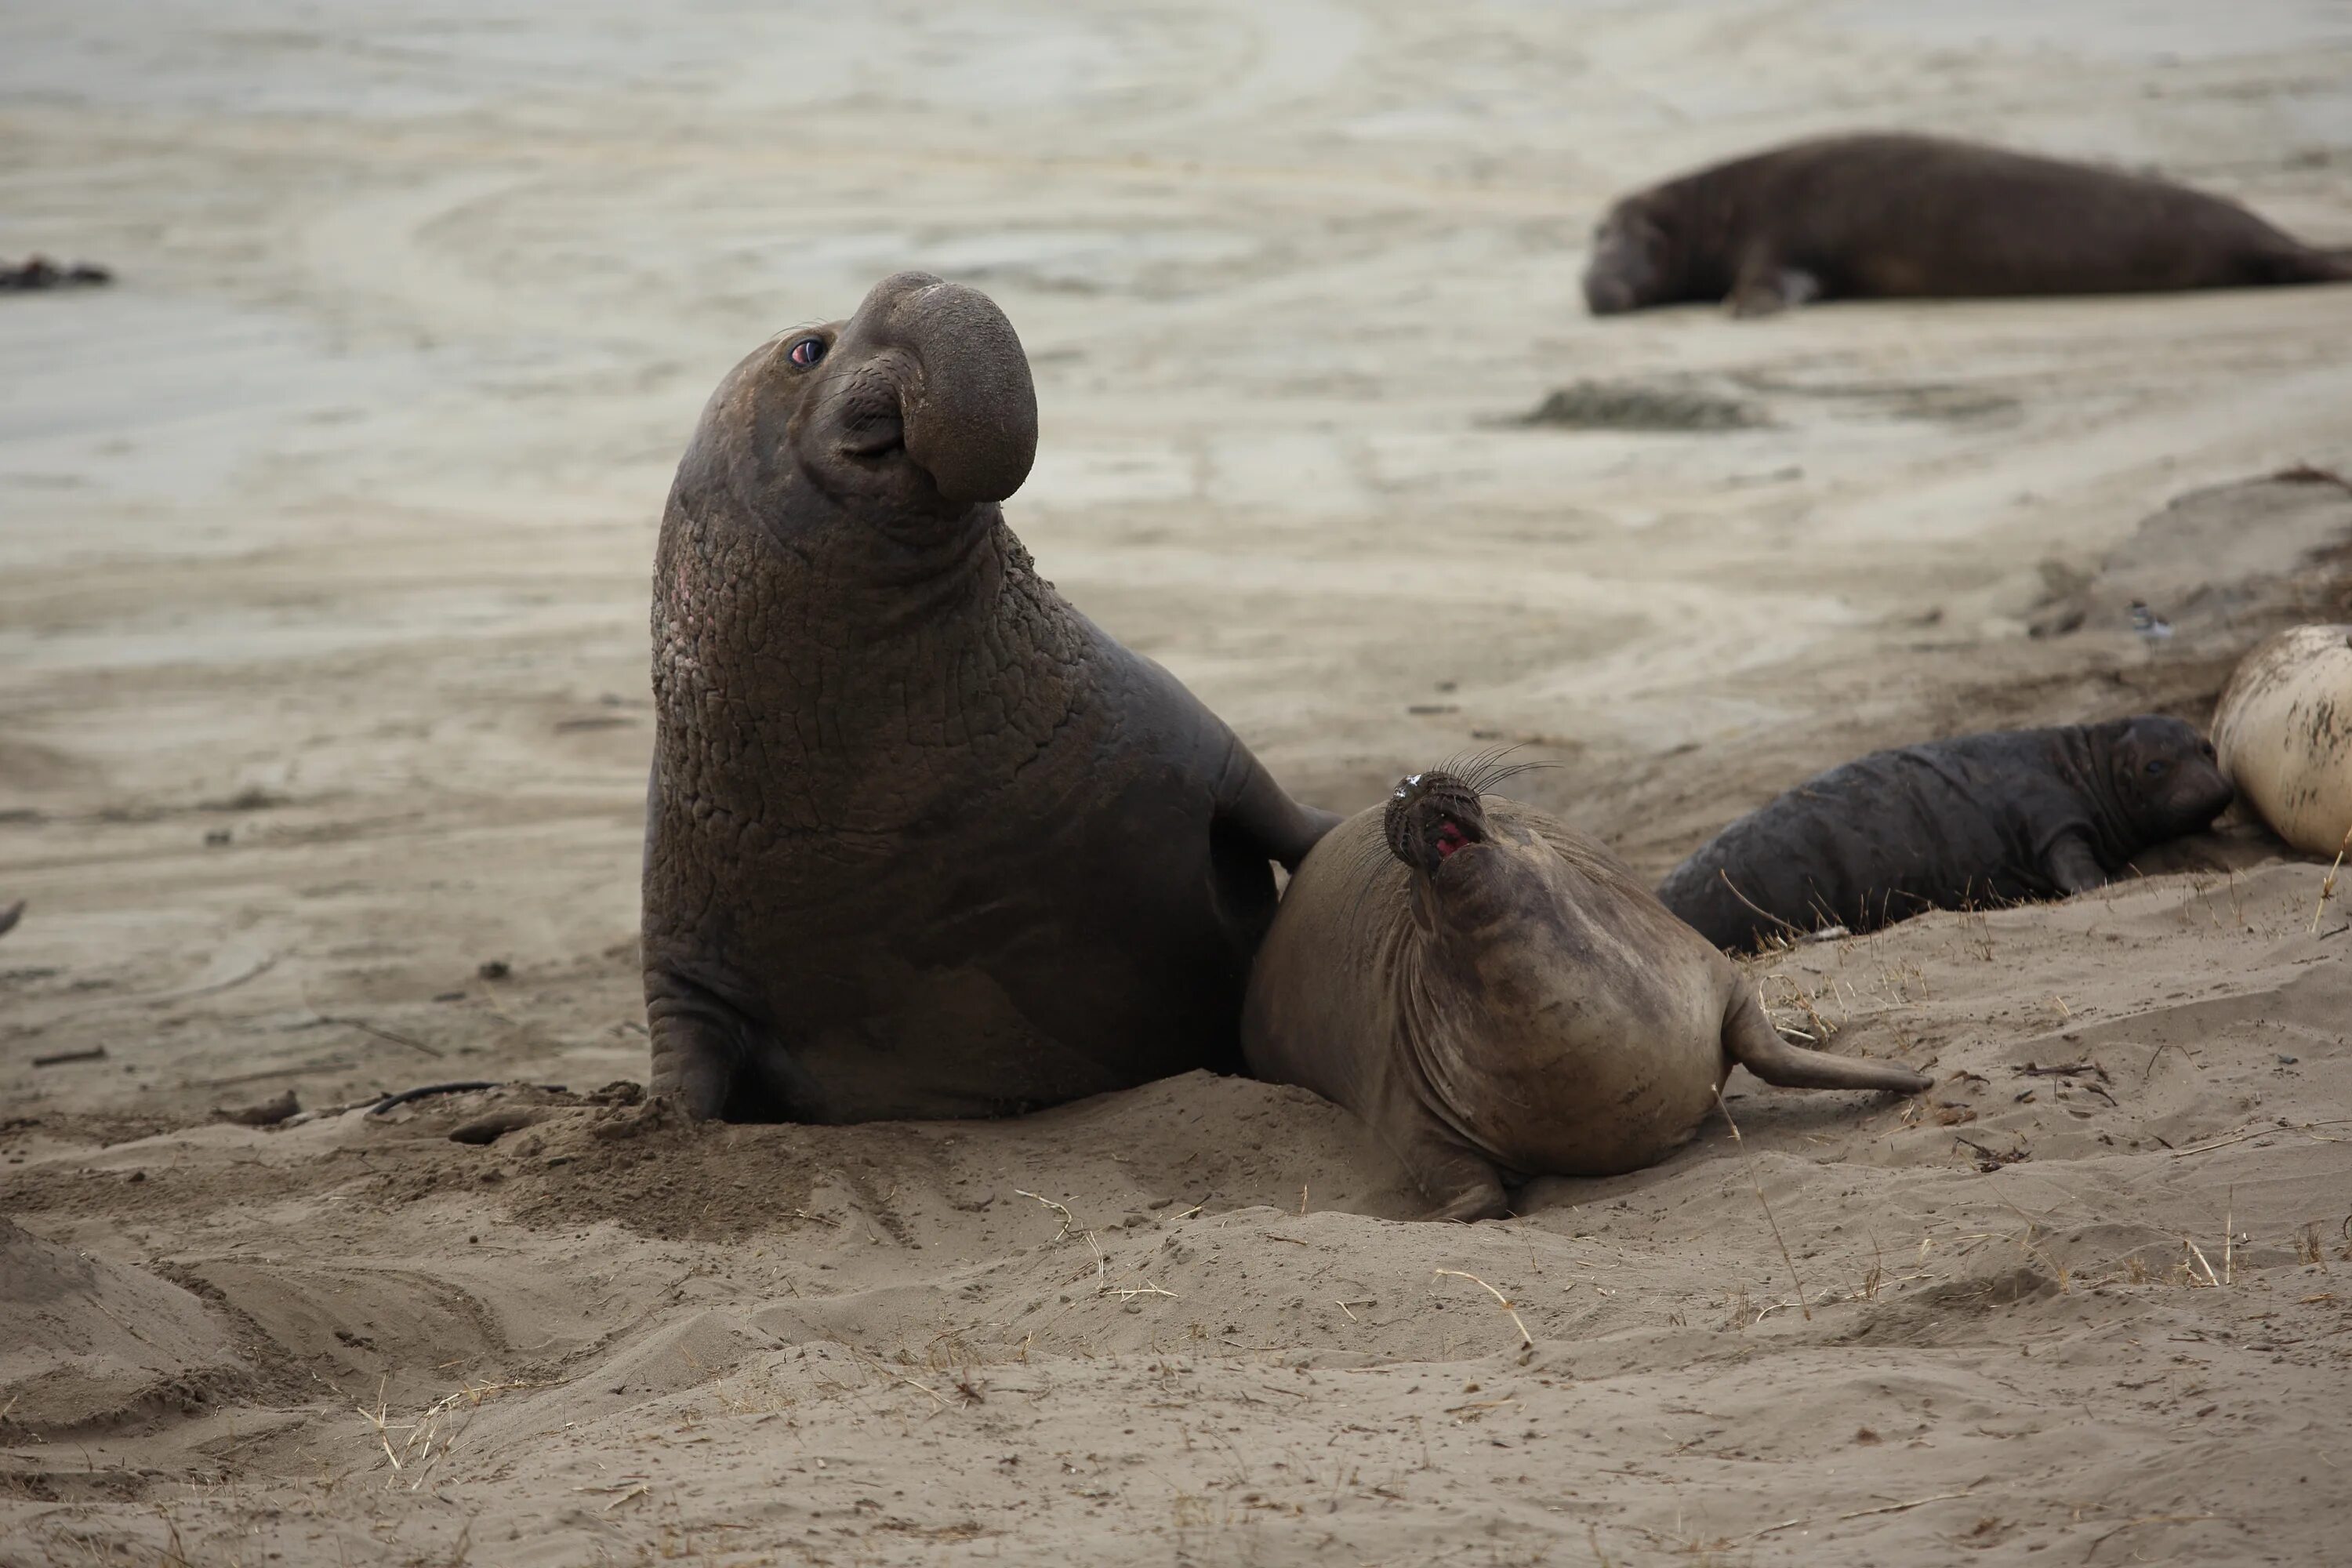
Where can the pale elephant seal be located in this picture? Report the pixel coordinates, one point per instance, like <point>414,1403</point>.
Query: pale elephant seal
<point>2283,734</point>
<point>1982,820</point>
<point>922,841</point>
<point>1886,216</point>
<point>1499,998</point>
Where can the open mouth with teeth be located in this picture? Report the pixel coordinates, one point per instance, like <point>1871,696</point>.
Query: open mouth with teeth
<point>1430,818</point>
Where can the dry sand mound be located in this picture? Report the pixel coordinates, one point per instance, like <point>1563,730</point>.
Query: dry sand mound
<point>90,1343</point>
<point>2087,1288</point>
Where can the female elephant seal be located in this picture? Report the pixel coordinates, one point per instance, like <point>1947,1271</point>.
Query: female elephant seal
<point>2283,735</point>
<point>1882,216</point>
<point>921,840</point>
<point>1499,997</point>
<point>1980,819</point>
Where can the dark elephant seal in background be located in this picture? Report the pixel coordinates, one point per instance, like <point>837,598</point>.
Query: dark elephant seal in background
<point>1891,216</point>
<point>1983,819</point>
<point>9,915</point>
<point>1499,998</point>
<point>922,841</point>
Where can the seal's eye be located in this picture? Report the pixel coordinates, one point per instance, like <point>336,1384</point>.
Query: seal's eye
<point>1449,839</point>
<point>806,351</point>
<point>2155,770</point>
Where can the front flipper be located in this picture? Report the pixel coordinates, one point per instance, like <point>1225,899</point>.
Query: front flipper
<point>1750,1040</point>
<point>1765,287</point>
<point>720,1063</point>
<point>1255,808</point>
<point>1458,1184</point>
<point>2071,868</point>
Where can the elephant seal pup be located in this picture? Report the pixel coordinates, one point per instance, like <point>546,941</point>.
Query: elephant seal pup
<point>1886,216</point>
<point>1991,818</point>
<point>2282,735</point>
<point>1499,998</point>
<point>921,841</point>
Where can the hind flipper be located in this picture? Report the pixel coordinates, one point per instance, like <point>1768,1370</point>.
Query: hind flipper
<point>1750,1040</point>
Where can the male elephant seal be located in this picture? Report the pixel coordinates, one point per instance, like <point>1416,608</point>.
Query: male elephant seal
<point>1991,818</point>
<point>2283,735</point>
<point>1882,216</point>
<point>921,841</point>
<point>1499,997</point>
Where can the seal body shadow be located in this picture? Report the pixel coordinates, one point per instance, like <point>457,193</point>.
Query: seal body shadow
<point>1891,217</point>
<point>1499,998</point>
<point>1999,817</point>
<point>922,841</point>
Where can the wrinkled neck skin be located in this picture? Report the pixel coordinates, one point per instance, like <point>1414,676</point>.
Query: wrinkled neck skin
<point>2079,755</point>
<point>838,679</point>
<point>1447,939</point>
<point>1710,217</point>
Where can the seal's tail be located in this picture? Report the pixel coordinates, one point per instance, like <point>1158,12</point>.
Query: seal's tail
<point>1755,1045</point>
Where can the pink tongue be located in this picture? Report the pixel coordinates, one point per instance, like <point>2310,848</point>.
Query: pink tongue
<point>1449,839</point>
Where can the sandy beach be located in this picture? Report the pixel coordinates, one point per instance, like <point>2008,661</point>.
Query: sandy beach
<point>325,536</point>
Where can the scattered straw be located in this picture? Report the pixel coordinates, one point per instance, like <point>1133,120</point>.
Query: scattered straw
<point>424,1443</point>
<point>875,1364</point>
<point>1759,1183</point>
<point>2210,1278</point>
<point>1527,1340</point>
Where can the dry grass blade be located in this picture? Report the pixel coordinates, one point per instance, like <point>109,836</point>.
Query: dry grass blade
<point>1793,933</point>
<point>2210,1278</point>
<point>2259,1133</point>
<point>1069,1221</point>
<point>2327,887</point>
<point>1759,1183</point>
<point>1527,1340</point>
<point>1857,1513</point>
<point>2229,1238</point>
